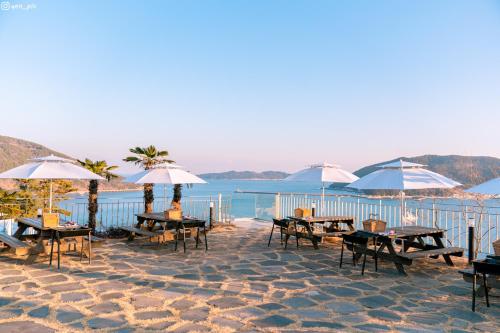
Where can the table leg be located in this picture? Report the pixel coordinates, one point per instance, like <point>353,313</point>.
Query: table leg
<point>35,251</point>
<point>197,236</point>
<point>51,248</point>
<point>296,234</point>
<point>140,221</point>
<point>58,250</point>
<point>392,251</point>
<point>350,225</point>
<point>21,228</point>
<point>81,250</point>
<point>205,233</point>
<point>176,236</point>
<point>440,245</point>
<point>184,238</point>
<point>90,247</point>
<point>311,236</point>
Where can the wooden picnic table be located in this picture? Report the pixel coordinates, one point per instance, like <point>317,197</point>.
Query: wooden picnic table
<point>61,232</point>
<point>411,237</point>
<point>333,229</point>
<point>43,234</point>
<point>167,224</point>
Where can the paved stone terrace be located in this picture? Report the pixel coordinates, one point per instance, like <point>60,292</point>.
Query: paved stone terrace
<point>240,285</point>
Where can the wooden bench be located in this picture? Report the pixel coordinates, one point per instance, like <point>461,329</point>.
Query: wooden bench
<point>136,231</point>
<point>18,246</point>
<point>452,251</point>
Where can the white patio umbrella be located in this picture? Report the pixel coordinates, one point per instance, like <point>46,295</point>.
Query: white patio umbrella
<point>49,167</point>
<point>165,174</point>
<point>491,187</point>
<point>322,173</point>
<point>402,175</point>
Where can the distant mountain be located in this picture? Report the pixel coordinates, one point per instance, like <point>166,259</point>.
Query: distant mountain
<point>468,170</point>
<point>14,152</point>
<point>245,175</point>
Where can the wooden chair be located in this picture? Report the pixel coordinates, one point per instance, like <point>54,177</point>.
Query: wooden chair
<point>489,266</point>
<point>284,225</point>
<point>359,242</point>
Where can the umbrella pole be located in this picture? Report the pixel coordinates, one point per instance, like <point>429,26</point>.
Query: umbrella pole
<point>323,199</point>
<point>402,194</point>
<point>164,196</point>
<point>50,196</point>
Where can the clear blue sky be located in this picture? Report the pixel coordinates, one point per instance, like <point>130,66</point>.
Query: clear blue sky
<point>253,84</point>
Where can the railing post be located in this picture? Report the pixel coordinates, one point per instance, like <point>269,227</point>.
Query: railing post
<point>471,224</point>
<point>219,208</point>
<point>211,216</point>
<point>358,213</point>
<point>433,214</point>
<point>277,206</point>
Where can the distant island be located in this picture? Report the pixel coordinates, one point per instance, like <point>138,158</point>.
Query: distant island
<point>246,175</point>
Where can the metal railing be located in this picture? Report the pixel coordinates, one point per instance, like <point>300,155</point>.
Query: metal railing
<point>121,213</point>
<point>452,215</point>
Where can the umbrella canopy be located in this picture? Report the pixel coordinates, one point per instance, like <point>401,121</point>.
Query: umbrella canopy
<point>165,174</point>
<point>491,187</point>
<point>49,167</point>
<point>402,175</point>
<point>323,173</point>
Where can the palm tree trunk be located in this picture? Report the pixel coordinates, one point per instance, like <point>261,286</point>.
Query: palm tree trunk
<point>176,200</point>
<point>148,198</point>
<point>93,207</point>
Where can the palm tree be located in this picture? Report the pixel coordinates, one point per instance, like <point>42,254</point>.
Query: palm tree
<point>9,204</point>
<point>176,199</point>
<point>102,169</point>
<point>147,158</point>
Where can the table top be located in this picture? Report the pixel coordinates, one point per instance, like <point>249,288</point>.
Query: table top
<point>321,219</point>
<point>413,231</point>
<point>160,217</point>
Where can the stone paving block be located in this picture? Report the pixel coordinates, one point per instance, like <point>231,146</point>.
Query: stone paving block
<point>10,313</point>
<point>153,315</point>
<point>384,315</point>
<point>140,302</point>
<point>298,302</point>
<point>323,324</point>
<point>24,327</point>
<point>224,322</point>
<point>273,321</point>
<point>106,307</point>
<point>74,297</point>
<point>189,328</point>
<point>41,312</point>
<point>103,323</point>
<point>376,301</point>
<point>196,314</point>
<point>66,316</point>
<point>226,302</point>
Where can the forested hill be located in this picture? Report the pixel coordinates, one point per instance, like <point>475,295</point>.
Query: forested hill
<point>14,152</point>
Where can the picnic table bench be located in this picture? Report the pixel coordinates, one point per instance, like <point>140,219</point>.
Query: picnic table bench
<point>332,230</point>
<point>410,237</point>
<point>18,246</point>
